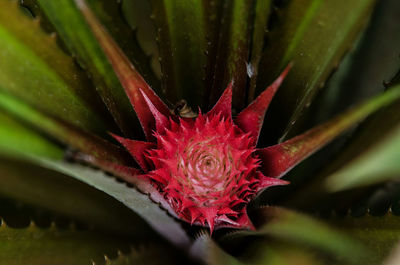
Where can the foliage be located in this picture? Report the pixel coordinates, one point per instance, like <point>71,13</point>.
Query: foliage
<point>69,192</point>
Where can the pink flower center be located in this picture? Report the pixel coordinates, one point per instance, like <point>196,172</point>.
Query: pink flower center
<point>205,167</point>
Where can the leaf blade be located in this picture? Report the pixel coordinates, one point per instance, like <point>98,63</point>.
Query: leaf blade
<point>182,45</point>
<point>16,139</point>
<point>378,164</point>
<point>34,245</point>
<point>62,195</point>
<point>39,76</point>
<point>92,145</point>
<point>72,28</point>
<point>315,42</point>
<point>233,51</point>
<point>291,226</point>
<point>140,203</point>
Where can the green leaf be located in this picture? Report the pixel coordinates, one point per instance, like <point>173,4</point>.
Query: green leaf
<point>303,230</point>
<point>73,30</point>
<point>16,139</point>
<point>140,203</point>
<point>182,46</point>
<point>371,155</point>
<point>213,13</point>
<point>205,249</point>
<point>152,255</point>
<point>124,21</point>
<point>262,13</point>
<point>379,163</point>
<point>276,253</point>
<point>131,80</point>
<point>379,233</point>
<point>314,35</point>
<point>33,245</point>
<point>233,51</point>
<point>68,197</point>
<point>37,71</point>
<point>83,141</point>
<point>372,60</point>
<point>111,15</point>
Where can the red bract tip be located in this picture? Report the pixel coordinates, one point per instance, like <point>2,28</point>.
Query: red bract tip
<point>224,104</point>
<point>251,118</point>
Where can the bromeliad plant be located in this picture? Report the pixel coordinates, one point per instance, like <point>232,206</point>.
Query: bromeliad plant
<point>70,103</point>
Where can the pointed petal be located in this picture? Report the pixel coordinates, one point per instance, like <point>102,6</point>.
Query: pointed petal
<point>186,203</point>
<point>130,79</point>
<point>280,158</point>
<point>266,182</point>
<point>224,104</point>
<point>194,214</point>
<point>136,149</point>
<point>224,218</point>
<point>227,210</point>
<point>162,121</point>
<point>251,118</point>
<point>174,185</point>
<point>245,222</point>
<point>210,214</point>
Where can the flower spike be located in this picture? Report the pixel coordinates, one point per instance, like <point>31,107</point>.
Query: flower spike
<point>162,121</point>
<point>136,149</point>
<point>251,118</point>
<point>266,182</point>
<point>224,104</point>
<point>129,77</point>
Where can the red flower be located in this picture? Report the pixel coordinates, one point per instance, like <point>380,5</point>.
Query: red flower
<point>207,168</point>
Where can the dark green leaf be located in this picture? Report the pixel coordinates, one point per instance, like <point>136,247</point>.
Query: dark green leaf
<point>33,245</point>
<point>205,249</point>
<point>372,154</point>
<point>68,197</point>
<point>17,139</point>
<point>37,71</point>
<point>379,233</point>
<point>182,45</point>
<point>378,163</point>
<point>110,14</point>
<point>276,253</point>
<point>359,76</point>
<point>233,51</point>
<point>262,12</point>
<point>363,70</point>
<point>140,203</point>
<point>314,35</point>
<point>153,255</point>
<point>77,36</point>
<point>298,228</point>
<point>88,143</point>
<point>137,14</point>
